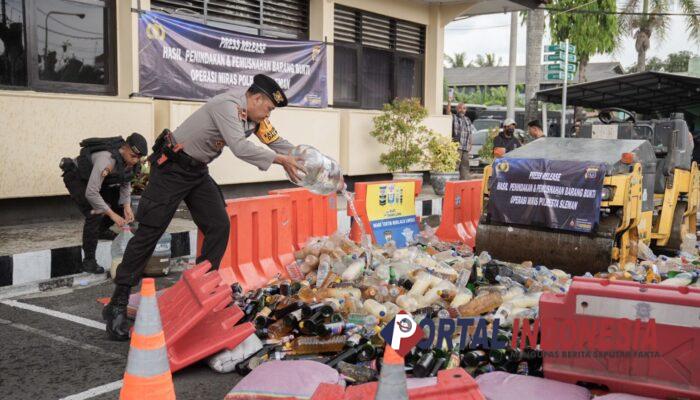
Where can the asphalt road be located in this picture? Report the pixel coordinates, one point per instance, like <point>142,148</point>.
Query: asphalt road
<point>46,356</point>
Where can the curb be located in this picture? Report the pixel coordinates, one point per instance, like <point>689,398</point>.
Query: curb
<point>81,279</point>
<point>60,267</point>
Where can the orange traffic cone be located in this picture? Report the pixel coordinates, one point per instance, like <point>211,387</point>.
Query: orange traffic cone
<point>392,379</point>
<point>147,373</point>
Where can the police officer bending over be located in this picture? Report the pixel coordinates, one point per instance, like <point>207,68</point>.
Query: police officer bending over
<point>99,182</point>
<point>179,172</point>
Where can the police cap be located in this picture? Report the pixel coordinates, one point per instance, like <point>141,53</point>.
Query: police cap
<point>137,143</point>
<point>271,89</point>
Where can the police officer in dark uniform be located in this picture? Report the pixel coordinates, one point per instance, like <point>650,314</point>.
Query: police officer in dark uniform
<point>99,182</point>
<point>179,172</point>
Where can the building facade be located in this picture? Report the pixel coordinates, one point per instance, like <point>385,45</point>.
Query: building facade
<point>69,69</point>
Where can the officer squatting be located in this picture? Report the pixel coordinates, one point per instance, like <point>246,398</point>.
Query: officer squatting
<point>99,183</point>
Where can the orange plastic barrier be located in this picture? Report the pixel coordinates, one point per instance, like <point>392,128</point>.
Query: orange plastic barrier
<point>600,332</point>
<point>361,206</point>
<point>199,318</point>
<point>312,214</point>
<point>461,209</point>
<point>260,240</point>
<point>452,384</point>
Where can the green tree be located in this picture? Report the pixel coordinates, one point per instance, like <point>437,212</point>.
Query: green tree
<point>674,62</point>
<point>494,96</point>
<point>487,60</point>
<point>458,60</point>
<point>401,128</point>
<point>641,27</point>
<point>592,33</point>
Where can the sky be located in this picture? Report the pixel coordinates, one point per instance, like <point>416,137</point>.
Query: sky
<point>468,35</point>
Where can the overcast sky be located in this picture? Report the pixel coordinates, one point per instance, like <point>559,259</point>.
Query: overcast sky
<point>491,34</point>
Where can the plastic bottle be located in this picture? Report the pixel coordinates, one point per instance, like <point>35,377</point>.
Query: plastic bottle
<point>463,279</point>
<point>681,279</point>
<point>406,302</point>
<point>119,247</point>
<point>382,272</point>
<point>527,300</point>
<point>339,292</point>
<point>375,308</point>
<point>512,288</point>
<point>391,311</point>
<point>420,286</point>
<point>324,267</point>
<point>484,258</point>
<point>309,264</point>
<point>444,255</point>
<point>481,305</point>
<point>354,271</point>
<point>461,298</point>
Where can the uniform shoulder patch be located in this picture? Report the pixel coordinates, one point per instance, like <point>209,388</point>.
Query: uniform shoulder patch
<point>266,132</point>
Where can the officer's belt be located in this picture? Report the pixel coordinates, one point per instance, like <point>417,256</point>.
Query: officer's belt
<point>182,158</point>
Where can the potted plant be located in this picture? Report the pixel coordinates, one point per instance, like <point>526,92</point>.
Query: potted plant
<point>138,184</point>
<point>486,151</point>
<point>442,158</point>
<point>400,128</point>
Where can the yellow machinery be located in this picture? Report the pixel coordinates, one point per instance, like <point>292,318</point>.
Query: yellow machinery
<point>650,194</point>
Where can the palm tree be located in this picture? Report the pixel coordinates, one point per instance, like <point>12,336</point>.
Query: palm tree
<point>456,61</point>
<point>533,57</point>
<point>641,27</point>
<point>487,60</point>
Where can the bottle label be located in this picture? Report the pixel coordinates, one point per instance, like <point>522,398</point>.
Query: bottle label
<point>357,319</point>
<point>294,271</point>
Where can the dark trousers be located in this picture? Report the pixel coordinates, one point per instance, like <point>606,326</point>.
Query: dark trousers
<point>168,185</point>
<point>94,223</point>
<point>464,165</point>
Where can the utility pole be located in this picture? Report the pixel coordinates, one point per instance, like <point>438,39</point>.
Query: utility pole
<point>563,95</point>
<point>510,103</point>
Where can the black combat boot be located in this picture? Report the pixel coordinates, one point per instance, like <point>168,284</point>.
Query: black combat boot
<point>90,265</point>
<point>114,314</point>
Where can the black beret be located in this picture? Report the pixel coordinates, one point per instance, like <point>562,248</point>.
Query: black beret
<point>137,143</point>
<point>271,89</point>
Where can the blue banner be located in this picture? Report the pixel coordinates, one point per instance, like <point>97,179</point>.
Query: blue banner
<point>549,193</point>
<point>180,59</point>
<point>401,230</point>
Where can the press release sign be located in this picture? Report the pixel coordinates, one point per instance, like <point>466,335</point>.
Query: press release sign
<point>391,209</point>
<point>550,193</point>
<point>181,59</point>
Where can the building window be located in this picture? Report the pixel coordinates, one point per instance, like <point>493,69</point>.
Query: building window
<point>376,59</point>
<point>287,19</point>
<point>58,45</point>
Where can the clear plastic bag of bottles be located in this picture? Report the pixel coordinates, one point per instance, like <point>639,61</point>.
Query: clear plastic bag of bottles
<point>323,174</point>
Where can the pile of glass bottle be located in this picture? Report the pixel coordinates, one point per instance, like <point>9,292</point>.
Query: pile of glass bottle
<point>334,306</point>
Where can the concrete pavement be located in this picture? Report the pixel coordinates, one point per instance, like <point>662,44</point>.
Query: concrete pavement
<point>53,348</point>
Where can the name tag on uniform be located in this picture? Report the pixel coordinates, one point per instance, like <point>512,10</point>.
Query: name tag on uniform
<point>266,132</point>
